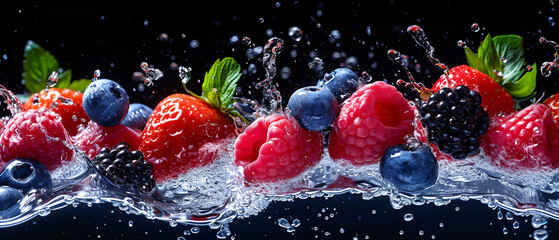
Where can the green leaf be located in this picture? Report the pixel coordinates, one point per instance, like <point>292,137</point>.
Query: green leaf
<point>487,53</point>
<point>221,81</point>
<point>38,64</point>
<point>523,87</point>
<point>511,48</point>
<point>474,61</point>
<point>79,85</point>
<point>64,79</point>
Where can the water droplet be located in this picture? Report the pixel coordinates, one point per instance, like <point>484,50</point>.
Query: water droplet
<point>152,74</point>
<point>538,221</point>
<point>540,234</point>
<point>461,44</point>
<point>509,216</point>
<point>194,43</point>
<point>475,27</point>
<point>130,223</point>
<point>551,21</point>
<point>529,68</point>
<point>195,230</point>
<point>246,40</point>
<point>505,231</point>
<point>96,75</point>
<point>515,224</point>
<point>295,33</point>
<point>163,37</point>
<point>500,215</point>
<point>408,217</point>
<point>261,20</point>
<point>335,36</point>
<point>53,79</point>
<point>282,222</point>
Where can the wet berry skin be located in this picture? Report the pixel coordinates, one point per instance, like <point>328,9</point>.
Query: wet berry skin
<point>137,116</point>
<point>409,169</point>
<point>25,174</point>
<point>8,202</point>
<point>313,107</point>
<point>105,102</point>
<point>342,82</point>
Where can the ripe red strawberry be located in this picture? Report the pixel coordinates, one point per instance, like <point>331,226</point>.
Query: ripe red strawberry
<point>374,118</point>
<point>69,107</point>
<point>495,99</point>
<point>37,135</point>
<point>276,148</point>
<point>527,140</point>
<point>94,137</point>
<point>185,132</point>
<point>553,104</point>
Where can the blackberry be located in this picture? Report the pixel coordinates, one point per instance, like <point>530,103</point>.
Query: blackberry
<point>455,120</point>
<point>125,168</point>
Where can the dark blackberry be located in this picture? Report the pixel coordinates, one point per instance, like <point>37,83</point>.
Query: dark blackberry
<point>455,120</point>
<point>125,168</point>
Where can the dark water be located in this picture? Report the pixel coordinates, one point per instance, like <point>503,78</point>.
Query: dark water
<point>85,36</point>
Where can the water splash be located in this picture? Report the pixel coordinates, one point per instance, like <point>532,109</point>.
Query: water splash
<point>152,74</point>
<point>185,75</point>
<point>545,69</point>
<point>420,38</point>
<point>12,102</point>
<point>272,97</point>
<point>317,66</point>
<point>402,60</point>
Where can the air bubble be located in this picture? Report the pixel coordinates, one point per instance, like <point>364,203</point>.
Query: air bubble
<point>246,40</point>
<point>295,33</point>
<point>475,27</point>
<point>408,217</point>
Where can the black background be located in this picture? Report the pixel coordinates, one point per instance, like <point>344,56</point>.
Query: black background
<point>116,37</point>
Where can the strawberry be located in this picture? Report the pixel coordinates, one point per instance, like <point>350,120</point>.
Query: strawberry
<point>527,140</point>
<point>374,118</point>
<point>186,131</point>
<point>94,137</point>
<point>276,148</point>
<point>494,99</point>
<point>553,104</point>
<point>65,102</point>
<point>37,135</point>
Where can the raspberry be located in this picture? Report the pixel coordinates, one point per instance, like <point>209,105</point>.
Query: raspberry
<point>94,137</point>
<point>125,168</point>
<point>276,148</point>
<point>37,135</point>
<point>455,120</point>
<point>373,119</point>
<point>525,140</point>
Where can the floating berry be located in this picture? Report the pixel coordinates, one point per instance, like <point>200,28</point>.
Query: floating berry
<point>125,168</point>
<point>455,120</point>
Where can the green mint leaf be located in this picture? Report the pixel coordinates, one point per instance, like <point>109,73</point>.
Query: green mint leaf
<point>38,64</point>
<point>221,81</point>
<point>523,87</point>
<point>474,61</point>
<point>510,48</point>
<point>487,53</point>
<point>79,85</point>
<point>64,79</point>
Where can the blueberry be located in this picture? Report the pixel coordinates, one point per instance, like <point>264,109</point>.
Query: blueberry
<point>342,82</point>
<point>409,169</point>
<point>137,116</point>
<point>105,102</point>
<point>8,202</point>
<point>25,174</point>
<point>313,107</point>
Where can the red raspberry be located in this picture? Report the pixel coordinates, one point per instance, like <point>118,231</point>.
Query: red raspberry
<point>94,137</point>
<point>37,135</point>
<point>275,148</point>
<point>373,119</point>
<point>525,140</point>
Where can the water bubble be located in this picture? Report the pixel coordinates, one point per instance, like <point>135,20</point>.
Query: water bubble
<point>538,221</point>
<point>246,40</point>
<point>195,230</point>
<point>96,75</point>
<point>295,33</point>
<point>335,35</point>
<point>194,43</point>
<point>130,223</point>
<point>163,37</point>
<point>529,68</point>
<point>234,39</point>
<point>475,27</point>
<point>408,217</point>
<point>152,74</point>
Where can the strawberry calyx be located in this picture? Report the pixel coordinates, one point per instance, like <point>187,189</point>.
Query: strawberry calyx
<point>502,58</point>
<point>219,86</point>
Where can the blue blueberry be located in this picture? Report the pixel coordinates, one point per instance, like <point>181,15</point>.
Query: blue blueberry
<point>409,169</point>
<point>25,174</point>
<point>342,82</point>
<point>314,108</point>
<point>105,102</point>
<point>137,116</point>
<point>9,198</point>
